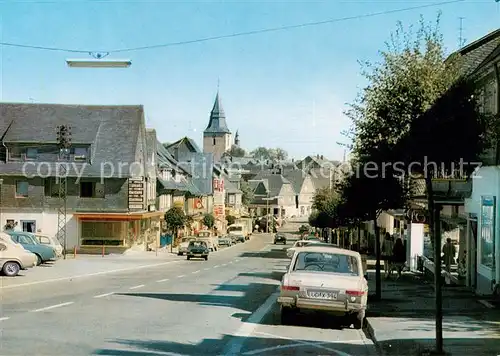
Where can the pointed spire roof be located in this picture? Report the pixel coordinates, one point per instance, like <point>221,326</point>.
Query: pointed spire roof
<point>217,123</point>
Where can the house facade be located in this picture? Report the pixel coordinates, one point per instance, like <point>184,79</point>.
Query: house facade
<point>111,180</point>
<point>273,194</point>
<point>304,189</point>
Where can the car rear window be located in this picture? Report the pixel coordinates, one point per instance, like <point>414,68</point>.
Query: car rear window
<point>197,244</point>
<point>327,262</point>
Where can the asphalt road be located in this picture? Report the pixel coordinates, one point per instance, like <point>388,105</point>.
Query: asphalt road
<point>223,306</point>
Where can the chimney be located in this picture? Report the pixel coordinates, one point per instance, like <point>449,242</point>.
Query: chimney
<point>321,156</point>
<point>293,160</point>
<point>317,156</point>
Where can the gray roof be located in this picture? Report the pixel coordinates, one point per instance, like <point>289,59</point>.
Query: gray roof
<point>217,123</point>
<point>297,178</point>
<point>477,53</point>
<point>201,167</point>
<point>166,160</point>
<point>273,183</point>
<point>182,149</point>
<point>116,135</point>
<point>230,187</point>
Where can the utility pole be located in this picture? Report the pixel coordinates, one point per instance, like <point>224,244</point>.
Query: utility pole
<point>64,143</point>
<point>437,279</point>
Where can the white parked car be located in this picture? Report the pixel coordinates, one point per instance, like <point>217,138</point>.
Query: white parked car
<point>51,241</point>
<point>303,243</point>
<point>327,279</point>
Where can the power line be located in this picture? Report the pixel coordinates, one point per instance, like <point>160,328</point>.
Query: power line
<point>232,35</point>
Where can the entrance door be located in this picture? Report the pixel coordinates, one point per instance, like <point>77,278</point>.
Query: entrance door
<point>28,225</point>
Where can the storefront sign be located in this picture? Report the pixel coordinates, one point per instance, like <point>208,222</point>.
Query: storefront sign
<point>219,210</point>
<point>136,193</point>
<point>197,203</point>
<point>218,185</point>
<point>487,243</point>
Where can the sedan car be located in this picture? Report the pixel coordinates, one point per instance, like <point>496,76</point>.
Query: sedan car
<point>280,238</point>
<point>325,279</point>
<point>225,241</point>
<point>14,257</point>
<point>183,246</point>
<point>240,238</point>
<point>301,243</point>
<point>198,249</point>
<point>52,242</point>
<point>43,253</point>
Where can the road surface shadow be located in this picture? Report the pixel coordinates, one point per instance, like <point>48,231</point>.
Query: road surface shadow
<point>251,345</point>
<point>274,275</point>
<point>274,253</point>
<point>254,295</point>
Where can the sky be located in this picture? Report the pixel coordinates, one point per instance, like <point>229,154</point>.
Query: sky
<point>285,89</point>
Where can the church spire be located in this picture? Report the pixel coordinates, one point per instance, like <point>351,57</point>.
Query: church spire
<point>217,123</point>
<point>237,138</point>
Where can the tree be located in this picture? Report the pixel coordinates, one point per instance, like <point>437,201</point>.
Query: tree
<point>175,219</point>
<point>248,194</point>
<point>322,197</point>
<point>236,151</point>
<point>273,154</point>
<point>230,219</point>
<point>371,193</point>
<point>417,109</point>
<point>209,220</point>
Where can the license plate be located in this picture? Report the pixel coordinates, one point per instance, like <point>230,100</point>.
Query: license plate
<point>322,295</point>
<point>197,254</point>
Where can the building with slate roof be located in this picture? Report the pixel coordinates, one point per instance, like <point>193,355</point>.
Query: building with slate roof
<point>217,138</point>
<point>274,193</point>
<point>108,159</point>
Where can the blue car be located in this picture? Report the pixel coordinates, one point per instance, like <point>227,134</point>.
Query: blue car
<point>43,253</point>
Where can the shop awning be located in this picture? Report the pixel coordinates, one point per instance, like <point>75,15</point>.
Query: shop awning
<point>117,216</point>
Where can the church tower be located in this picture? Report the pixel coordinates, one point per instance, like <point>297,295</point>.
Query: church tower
<point>217,137</point>
<point>237,139</point>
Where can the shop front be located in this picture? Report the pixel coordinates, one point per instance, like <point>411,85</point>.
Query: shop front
<point>118,231</point>
<point>483,231</point>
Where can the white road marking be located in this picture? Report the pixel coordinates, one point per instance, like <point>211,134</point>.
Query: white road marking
<point>137,287</point>
<point>52,307</point>
<point>225,264</point>
<point>236,260</point>
<point>104,295</point>
<point>275,348</point>
<point>4,318</point>
<point>195,272</point>
<point>248,327</point>
<point>182,275</point>
<point>216,266</point>
<point>162,280</point>
<point>88,275</point>
<point>206,269</point>
<point>486,304</point>
<point>309,343</point>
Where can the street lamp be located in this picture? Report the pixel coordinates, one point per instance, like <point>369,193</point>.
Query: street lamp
<point>99,63</point>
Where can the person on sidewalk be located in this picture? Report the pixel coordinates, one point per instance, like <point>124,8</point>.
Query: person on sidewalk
<point>449,252</point>
<point>387,248</point>
<point>399,256</point>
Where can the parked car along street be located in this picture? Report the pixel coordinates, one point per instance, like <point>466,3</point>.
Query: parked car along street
<point>225,241</point>
<point>28,240</point>
<point>325,279</point>
<point>183,245</point>
<point>52,242</point>
<point>14,257</point>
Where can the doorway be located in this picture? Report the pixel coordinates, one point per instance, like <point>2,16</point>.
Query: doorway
<point>28,225</point>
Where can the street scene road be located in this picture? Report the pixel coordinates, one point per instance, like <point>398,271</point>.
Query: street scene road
<point>223,306</point>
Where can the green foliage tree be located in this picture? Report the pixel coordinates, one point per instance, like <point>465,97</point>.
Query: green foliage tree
<point>247,193</point>
<point>175,219</point>
<point>236,151</point>
<point>209,220</point>
<point>273,154</point>
<point>230,219</point>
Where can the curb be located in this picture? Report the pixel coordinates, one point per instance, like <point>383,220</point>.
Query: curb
<point>370,333</point>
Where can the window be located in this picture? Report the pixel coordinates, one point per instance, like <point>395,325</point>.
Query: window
<point>327,262</point>
<point>51,188</point>
<point>22,188</point>
<point>487,237</point>
<point>80,153</point>
<point>215,142</point>
<point>14,153</point>
<point>28,225</point>
<point>232,199</point>
<point>44,240</point>
<point>87,189</point>
<point>31,153</point>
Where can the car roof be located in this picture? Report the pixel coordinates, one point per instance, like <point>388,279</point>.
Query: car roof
<point>319,248</point>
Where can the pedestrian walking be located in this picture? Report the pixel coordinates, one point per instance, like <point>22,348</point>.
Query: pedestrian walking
<point>387,248</point>
<point>399,256</point>
<point>449,252</point>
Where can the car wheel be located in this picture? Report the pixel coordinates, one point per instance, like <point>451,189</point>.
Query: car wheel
<point>11,269</point>
<point>188,258</point>
<point>179,254</point>
<point>206,258</point>
<point>275,242</point>
<point>287,315</point>
<point>358,320</point>
<point>38,260</point>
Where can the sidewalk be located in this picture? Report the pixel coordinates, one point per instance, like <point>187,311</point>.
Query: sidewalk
<point>87,265</point>
<point>402,323</point>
